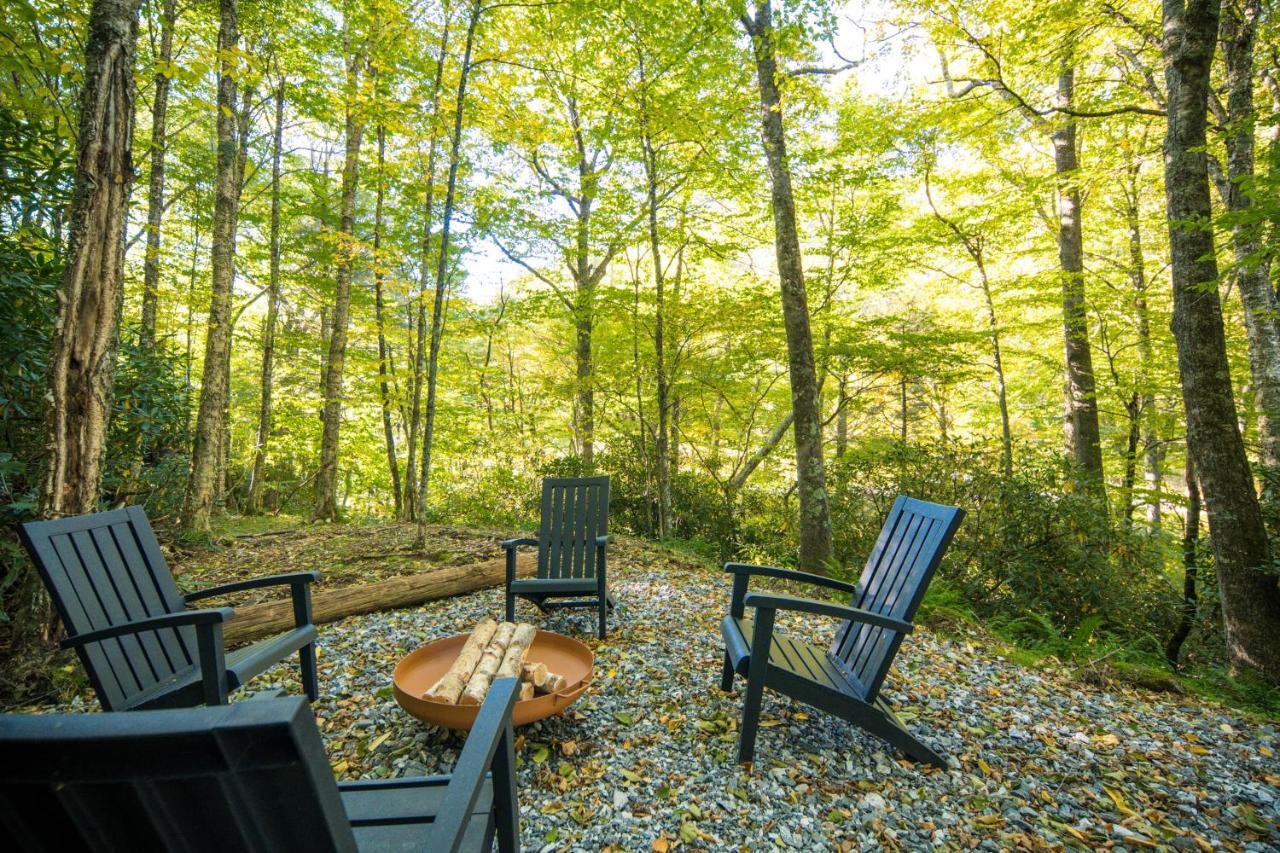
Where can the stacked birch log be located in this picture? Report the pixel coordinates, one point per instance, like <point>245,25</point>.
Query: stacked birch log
<point>494,650</point>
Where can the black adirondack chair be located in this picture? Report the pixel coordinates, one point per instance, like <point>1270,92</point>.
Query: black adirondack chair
<point>571,550</point>
<point>845,679</point>
<point>129,623</point>
<point>249,776</point>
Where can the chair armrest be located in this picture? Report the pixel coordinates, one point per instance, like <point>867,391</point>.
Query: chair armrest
<point>292,579</point>
<point>493,723</point>
<point>789,574</point>
<point>606,539</point>
<point>824,608</point>
<point>511,544</point>
<point>211,616</point>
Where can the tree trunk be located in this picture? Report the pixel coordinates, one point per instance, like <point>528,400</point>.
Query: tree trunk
<point>412,506</point>
<point>1250,595</point>
<point>1190,566</point>
<point>842,417</point>
<point>663,440</point>
<point>815,517</point>
<point>997,366</point>
<point>326,507</point>
<point>1237,35</point>
<point>1083,436</point>
<point>155,193</point>
<point>384,388</point>
<point>662,460</point>
<point>202,484</point>
<point>1133,417</point>
<point>1152,453</point>
<point>253,503</point>
<point>81,363</point>
<point>442,270</point>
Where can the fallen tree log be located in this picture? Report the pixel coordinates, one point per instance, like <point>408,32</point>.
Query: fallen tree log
<point>254,621</point>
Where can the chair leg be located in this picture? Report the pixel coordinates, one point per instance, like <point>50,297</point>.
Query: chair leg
<point>761,643</point>
<point>307,662</point>
<point>726,676</point>
<point>751,713</point>
<point>603,616</point>
<point>511,607</point>
<point>505,805</point>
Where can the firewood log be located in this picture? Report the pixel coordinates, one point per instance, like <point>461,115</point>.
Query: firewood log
<point>526,691</point>
<point>534,673</point>
<point>453,682</point>
<point>513,659</point>
<point>478,685</point>
<point>554,683</point>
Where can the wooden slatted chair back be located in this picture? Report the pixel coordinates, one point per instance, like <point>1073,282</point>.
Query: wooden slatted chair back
<point>574,512</point>
<point>248,776</point>
<point>103,570</point>
<point>910,547</point>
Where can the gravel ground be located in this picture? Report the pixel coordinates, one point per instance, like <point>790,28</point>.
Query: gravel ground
<point>645,760</point>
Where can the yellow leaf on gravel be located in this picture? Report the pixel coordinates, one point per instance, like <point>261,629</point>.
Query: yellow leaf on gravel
<point>1118,799</point>
<point>661,845</point>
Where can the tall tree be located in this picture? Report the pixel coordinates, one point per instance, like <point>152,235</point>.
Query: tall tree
<point>155,193</point>
<point>1242,554</point>
<point>815,515</point>
<point>1058,122</point>
<point>202,484</point>
<point>1238,34</point>
<point>379,311</point>
<point>253,502</point>
<point>412,507</point>
<point>81,367</point>
<point>442,264</point>
<point>326,506</point>
<point>1084,437</point>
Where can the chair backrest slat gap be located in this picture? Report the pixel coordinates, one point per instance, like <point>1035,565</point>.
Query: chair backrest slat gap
<point>95,617</point>
<point>574,512</point>
<point>173,642</point>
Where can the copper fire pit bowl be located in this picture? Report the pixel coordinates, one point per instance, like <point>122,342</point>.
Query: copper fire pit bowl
<point>422,668</point>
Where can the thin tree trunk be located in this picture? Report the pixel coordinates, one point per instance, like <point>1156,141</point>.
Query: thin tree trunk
<point>662,442</point>
<point>1190,566</point>
<point>442,270</point>
<point>1153,456</point>
<point>202,483</point>
<point>997,366</point>
<point>412,504</point>
<point>974,245</point>
<point>81,364</point>
<point>842,417</point>
<point>384,389</point>
<point>1250,594</point>
<point>155,194</point>
<point>326,507</point>
<point>253,503</point>
<point>1133,417</point>
<point>1083,435</point>
<point>815,516</point>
